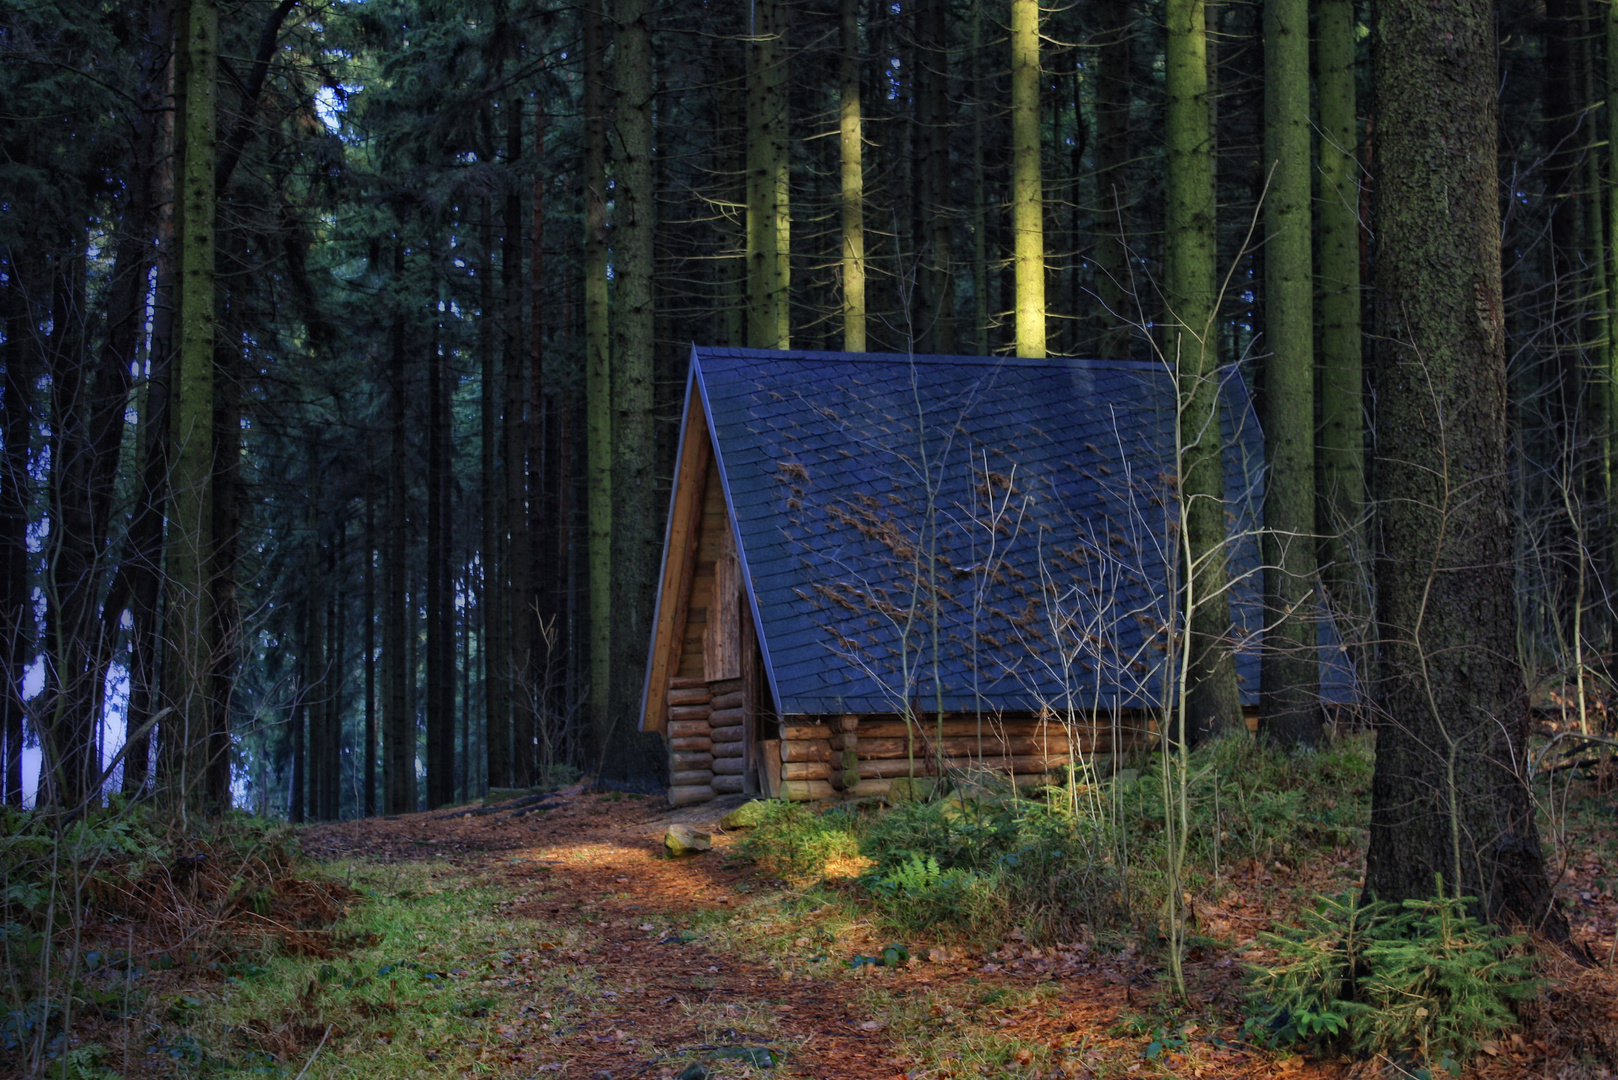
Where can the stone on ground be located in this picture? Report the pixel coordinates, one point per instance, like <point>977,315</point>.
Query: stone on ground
<point>685,840</point>
<point>746,816</point>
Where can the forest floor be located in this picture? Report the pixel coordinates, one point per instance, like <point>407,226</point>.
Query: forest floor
<point>563,942</point>
<point>595,956</point>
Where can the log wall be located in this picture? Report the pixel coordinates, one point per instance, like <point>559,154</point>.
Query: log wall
<point>690,738</point>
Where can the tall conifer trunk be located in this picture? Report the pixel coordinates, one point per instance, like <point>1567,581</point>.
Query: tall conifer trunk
<point>400,738</point>
<point>1340,499</point>
<point>440,668</point>
<point>597,377</point>
<point>189,551</point>
<point>514,359</point>
<point>1450,806</point>
<point>1114,151</point>
<point>851,153</point>
<point>1190,339</point>
<point>636,537</point>
<point>15,422</point>
<point>496,674</point>
<point>769,273</point>
<point>1027,194</point>
<point>1289,702</point>
<point>368,640</point>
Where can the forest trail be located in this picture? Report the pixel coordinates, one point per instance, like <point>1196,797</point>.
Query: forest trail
<point>690,959</point>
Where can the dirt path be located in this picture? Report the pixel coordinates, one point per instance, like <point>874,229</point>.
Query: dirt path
<point>592,874</point>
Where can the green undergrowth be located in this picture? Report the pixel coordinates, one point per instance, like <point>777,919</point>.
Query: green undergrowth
<point>1422,979</point>
<point>980,861</point>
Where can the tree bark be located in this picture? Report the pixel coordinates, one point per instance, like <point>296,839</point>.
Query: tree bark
<point>400,738</point>
<point>1451,810</point>
<point>636,536</point>
<point>1340,497</point>
<point>1289,687</point>
<point>769,273</point>
<point>1213,703</point>
<point>189,551</point>
<point>598,376</point>
<point>497,683</point>
<point>851,153</point>
<point>513,356</point>
<point>1027,195</point>
<point>1114,286</point>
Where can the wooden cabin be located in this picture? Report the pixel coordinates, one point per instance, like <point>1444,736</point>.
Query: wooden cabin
<point>977,544</point>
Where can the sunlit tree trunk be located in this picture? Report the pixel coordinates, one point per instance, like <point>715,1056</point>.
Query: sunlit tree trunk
<point>1190,339</point>
<point>1027,195</point>
<point>769,273</point>
<point>851,135</point>
<point>1289,702</point>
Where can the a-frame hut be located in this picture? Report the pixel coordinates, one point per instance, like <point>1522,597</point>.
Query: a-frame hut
<point>868,553</point>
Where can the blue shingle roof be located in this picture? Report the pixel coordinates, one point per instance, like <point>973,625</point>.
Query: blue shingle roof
<point>997,525</point>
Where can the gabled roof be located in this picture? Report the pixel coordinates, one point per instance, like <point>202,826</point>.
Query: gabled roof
<point>997,525</point>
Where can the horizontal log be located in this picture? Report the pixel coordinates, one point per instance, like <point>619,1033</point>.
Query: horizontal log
<point>729,785</point>
<point>681,729</point>
<point>724,686</point>
<point>726,717</point>
<point>888,729</point>
<point>847,723</point>
<point>691,742</point>
<point>688,712</point>
<point>806,790</point>
<point>869,789</point>
<point>805,770</point>
<point>808,750</point>
<point>729,766</point>
<point>688,682</point>
<point>733,733</point>
<point>732,700</point>
<point>689,777</point>
<point>690,759</point>
<point>697,695</point>
<point>1021,764</point>
<point>989,749</point>
<point>688,794</point>
<point>792,732</point>
<point>729,750</point>
<point>889,767</point>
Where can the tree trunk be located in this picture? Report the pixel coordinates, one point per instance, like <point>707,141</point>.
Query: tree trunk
<point>935,243</point>
<point>1027,195</point>
<point>16,423</point>
<point>636,536</point>
<point>497,684</point>
<point>1289,702</point>
<point>1451,810</point>
<point>1114,287</point>
<point>440,668</point>
<point>400,751</point>
<point>1213,703</point>
<point>598,375</point>
<point>189,551</point>
<point>1340,498</point>
<point>769,273</point>
<point>368,639</point>
<point>513,356</point>
<point>851,152</point>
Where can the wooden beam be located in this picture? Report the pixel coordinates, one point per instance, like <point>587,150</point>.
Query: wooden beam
<point>679,562</point>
